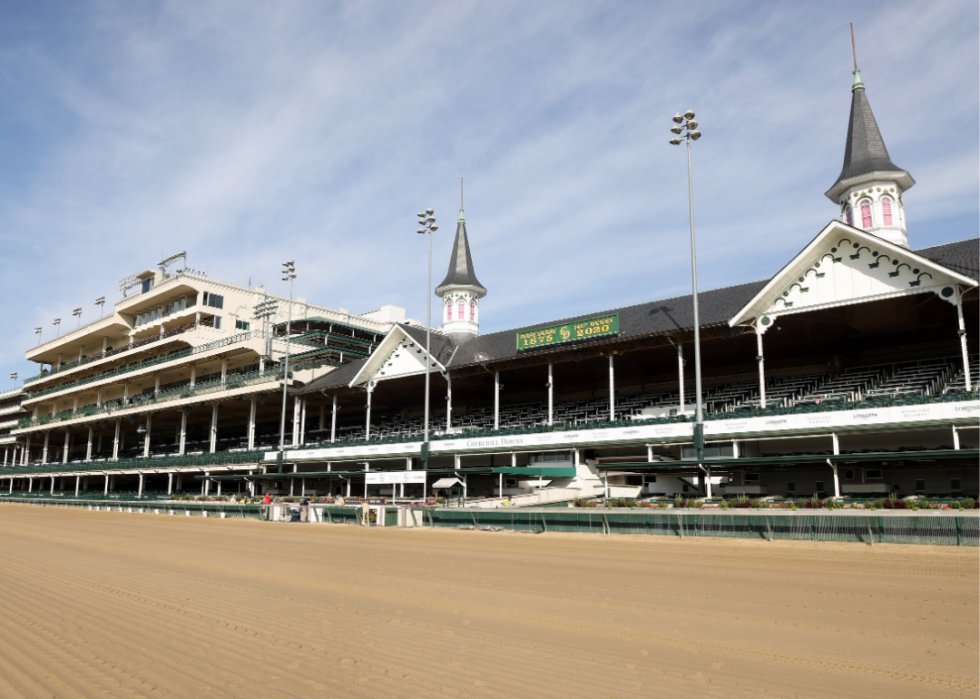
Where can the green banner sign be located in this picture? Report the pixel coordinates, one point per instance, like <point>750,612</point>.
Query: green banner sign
<point>569,332</point>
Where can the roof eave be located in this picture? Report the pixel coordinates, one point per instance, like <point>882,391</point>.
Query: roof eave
<point>900,177</point>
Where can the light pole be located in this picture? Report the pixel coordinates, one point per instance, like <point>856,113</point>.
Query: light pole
<point>686,129</point>
<point>100,302</point>
<point>263,311</point>
<point>57,326</point>
<point>37,331</point>
<point>13,375</point>
<point>427,226</point>
<point>78,313</point>
<point>288,275</point>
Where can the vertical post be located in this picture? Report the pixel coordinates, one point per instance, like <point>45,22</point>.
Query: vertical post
<point>170,483</point>
<point>156,385</point>
<point>496,400</point>
<point>367,422</point>
<point>64,454</point>
<point>224,371</point>
<point>115,441</point>
<point>214,428</point>
<point>367,467</point>
<point>428,348</point>
<point>193,375</point>
<point>253,408</point>
<point>612,391</point>
<point>52,485</point>
<point>297,409</point>
<point>146,438</point>
<point>956,438</point>
<point>760,358</point>
<point>139,493</point>
<point>835,442</point>
<point>551,396</point>
<point>183,432</point>
<point>333,421</point>
<point>30,484</point>
<point>449,401</point>
<point>302,422</point>
<point>323,419</point>
<point>963,347</point>
<point>44,450</point>
<point>105,490</point>
<point>836,479</point>
<point>699,416</point>
<point>680,378</point>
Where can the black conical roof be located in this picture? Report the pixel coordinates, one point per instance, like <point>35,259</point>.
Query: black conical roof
<point>461,271</point>
<point>865,151</point>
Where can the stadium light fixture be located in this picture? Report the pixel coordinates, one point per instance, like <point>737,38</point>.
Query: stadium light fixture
<point>78,314</point>
<point>57,326</point>
<point>288,274</point>
<point>100,302</point>
<point>13,375</point>
<point>37,331</point>
<point>690,133</point>
<point>427,226</point>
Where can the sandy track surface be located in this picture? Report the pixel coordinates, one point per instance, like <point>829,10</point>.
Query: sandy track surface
<point>97,604</point>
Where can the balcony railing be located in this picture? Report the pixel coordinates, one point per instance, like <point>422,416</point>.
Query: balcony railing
<point>154,462</point>
<point>232,381</point>
<point>139,366</point>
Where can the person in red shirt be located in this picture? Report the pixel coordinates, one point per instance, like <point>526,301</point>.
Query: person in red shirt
<point>267,500</point>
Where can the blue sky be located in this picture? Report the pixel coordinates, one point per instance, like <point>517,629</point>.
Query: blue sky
<point>249,133</point>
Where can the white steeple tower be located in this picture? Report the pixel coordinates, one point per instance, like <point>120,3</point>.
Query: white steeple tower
<point>870,186</point>
<point>461,291</point>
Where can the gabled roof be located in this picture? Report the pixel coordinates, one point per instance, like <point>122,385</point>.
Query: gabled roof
<point>962,256</point>
<point>461,272</point>
<point>865,151</point>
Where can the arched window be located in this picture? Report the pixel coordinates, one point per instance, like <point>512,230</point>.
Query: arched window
<point>849,215</point>
<point>886,211</point>
<point>865,214</point>
<point>449,311</point>
<point>473,311</point>
<point>462,310</point>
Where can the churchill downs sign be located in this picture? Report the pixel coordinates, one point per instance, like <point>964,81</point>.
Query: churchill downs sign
<point>569,332</point>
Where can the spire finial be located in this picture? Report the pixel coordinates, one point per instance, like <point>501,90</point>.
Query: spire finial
<point>858,85</point>
<point>460,198</point>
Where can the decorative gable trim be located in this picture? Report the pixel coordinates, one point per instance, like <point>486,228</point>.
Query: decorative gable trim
<point>391,358</point>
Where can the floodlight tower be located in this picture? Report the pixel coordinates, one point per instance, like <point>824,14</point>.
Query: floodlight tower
<point>100,302</point>
<point>288,275</point>
<point>78,314</point>
<point>427,226</point>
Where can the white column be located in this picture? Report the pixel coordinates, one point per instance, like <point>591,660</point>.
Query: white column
<point>680,378</point>
<point>762,368</point>
<point>262,366</point>
<point>30,484</point>
<point>52,485</point>
<point>496,400</point>
<point>333,421</point>
<point>11,485</point>
<point>44,450</point>
<point>956,438</point>
<point>170,483</point>
<point>253,408</point>
<point>105,490</point>
<point>27,451</point>
<point>115,440</point>
<point>156,385</point>
<point>207,484</point>
<point>139,494</point>
<point>297,406</point>
<point>963,348</point>
<point>193,375</point>
<point>367,467</point>
<point>612,391</point>
<point>302,422</point>
<point>5,454</point>
<point>78,484</point>
<point>449,402</point>
<point>224,371</point>
<point>98,399</point>
<point>219,489</point>
<point>183,433</point>
<point>836,479</point>
<point>707,480</point>
<point>88,447</point>
<point>367,422</point>
<point>146,437</point>
<point>214,428</point>
<point>64,454</point>
<point>74,406</point>
<point>835,442</point>
<point>551,396</point>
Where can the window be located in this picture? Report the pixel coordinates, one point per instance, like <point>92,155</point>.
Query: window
<point>818,486</point>
<point>791,487</point>
<point>848,475</point>
<point>955,484</point>
<point>473,311</point>
<point>462,310</point>
<point>146,285</point>
<point>241,325</point>
<point>214,300</point>
<point>652,479</point>
<point>849,215</point>
<point>449,311</point>
<point>217,322</point>
<point>865,214</point>
<point>634,480</point>
<point>886,211</point>
<point>872,474</point>
<point>920,485</point>
<point>751,477</point>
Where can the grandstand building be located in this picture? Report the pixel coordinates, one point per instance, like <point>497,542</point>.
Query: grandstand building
<point>849,372</point>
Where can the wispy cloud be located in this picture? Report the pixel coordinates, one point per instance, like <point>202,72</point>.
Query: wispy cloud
<point>251,133</point>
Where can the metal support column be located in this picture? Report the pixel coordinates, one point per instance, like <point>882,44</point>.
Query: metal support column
<point>551,395</point>
<point>496,400</point>
<point>146,437</point>
<point>333,421</point>
<point>214,428</point>
<point>115,441</point>
<point>963,347</point>
<point>612,391</point>
<point>762,368</point>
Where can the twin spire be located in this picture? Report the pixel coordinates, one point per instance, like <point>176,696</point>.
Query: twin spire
<point>461,291</point>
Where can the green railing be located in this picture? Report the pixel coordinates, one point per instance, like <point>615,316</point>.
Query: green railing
<point>137,366</point>
<point>218,458</point>
<point>938,530</point>
<point>161,507</point>
<point>232,381</point>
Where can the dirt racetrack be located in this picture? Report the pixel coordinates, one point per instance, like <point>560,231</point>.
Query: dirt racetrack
<point>97,604</point>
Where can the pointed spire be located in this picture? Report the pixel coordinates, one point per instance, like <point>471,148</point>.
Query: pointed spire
<point>865,151</point>
<point>461,271</point>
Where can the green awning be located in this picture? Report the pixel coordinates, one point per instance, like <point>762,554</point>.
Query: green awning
<point>755,461</point>
<point>544,471</point>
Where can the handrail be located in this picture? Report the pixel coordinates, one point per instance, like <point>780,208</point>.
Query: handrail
<point>128,368</point>
<point>232,381</point>
<point>216,459</point>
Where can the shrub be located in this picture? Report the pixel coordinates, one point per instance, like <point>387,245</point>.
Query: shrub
<point>968,503</point>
